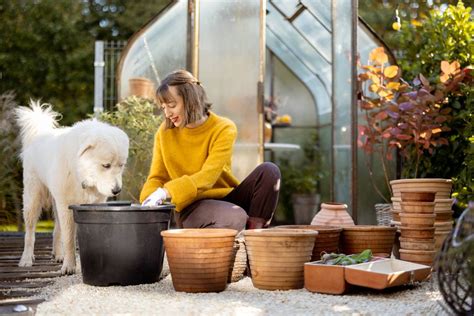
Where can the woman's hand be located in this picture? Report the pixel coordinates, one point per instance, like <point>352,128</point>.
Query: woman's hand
<point>156,198</point>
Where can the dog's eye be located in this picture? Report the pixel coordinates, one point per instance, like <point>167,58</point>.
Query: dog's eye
<point>106,166</point>
<point>121,165</point>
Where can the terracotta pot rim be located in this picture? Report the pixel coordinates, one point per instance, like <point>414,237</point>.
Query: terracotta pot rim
<point>369,228</point>
<point>199,233</point>
<point>332,205</point>
<point>424,229</point>
<point>418,252</point>
<point>312,227</point>
<point>416,203</point>
<point>417,215</point>
<point>140,79</point>
<point>421,180</point>
<point>280,232</point>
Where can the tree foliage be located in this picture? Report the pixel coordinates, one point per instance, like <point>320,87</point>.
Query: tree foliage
<point>47,47</point>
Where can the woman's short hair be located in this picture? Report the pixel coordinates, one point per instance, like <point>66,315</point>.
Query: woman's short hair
<point>190,89</point>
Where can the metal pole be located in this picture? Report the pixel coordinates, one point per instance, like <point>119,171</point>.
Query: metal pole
<point>99,78</point>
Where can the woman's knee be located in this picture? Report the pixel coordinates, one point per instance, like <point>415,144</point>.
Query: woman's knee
<point>269,168</point>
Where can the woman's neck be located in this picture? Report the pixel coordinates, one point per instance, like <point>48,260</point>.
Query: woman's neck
<point>198,122</point>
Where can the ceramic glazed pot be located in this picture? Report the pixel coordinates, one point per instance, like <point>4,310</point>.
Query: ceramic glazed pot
<point>333,214</point>
<point>277,256</point>
<point>327,240</point>
<point>379,239</point>
<point>120,243</point>
<point>199,259</point>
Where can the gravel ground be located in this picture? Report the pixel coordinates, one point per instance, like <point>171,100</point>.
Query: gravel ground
<point>69,296</point>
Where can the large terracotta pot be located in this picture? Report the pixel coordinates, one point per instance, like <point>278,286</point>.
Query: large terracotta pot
<point>379,239</point>
<point>142,87</point>
<point>199,259</point>
<point>327,240</point>
<point>442,187</point>
<point>333,214</point>
<point>277,257</point>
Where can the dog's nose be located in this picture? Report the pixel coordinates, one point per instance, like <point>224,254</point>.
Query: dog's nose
<point>116,190</point>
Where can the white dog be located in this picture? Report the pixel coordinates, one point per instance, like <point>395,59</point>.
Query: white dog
<point>64,166</point>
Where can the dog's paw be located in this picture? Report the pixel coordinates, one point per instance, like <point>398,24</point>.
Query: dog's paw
<point>58,257</point>
<point>26,260</point>
<point>68,268</point>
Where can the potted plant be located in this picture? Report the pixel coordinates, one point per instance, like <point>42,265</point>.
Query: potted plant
<point>409,118</point>
<point>423,44</point>
<point>300,182</point>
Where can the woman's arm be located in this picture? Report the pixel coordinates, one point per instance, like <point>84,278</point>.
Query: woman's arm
<point>158,175</point>
<point>187,187</point>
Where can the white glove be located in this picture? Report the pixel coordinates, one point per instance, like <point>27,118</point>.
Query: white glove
<point>156,198</point>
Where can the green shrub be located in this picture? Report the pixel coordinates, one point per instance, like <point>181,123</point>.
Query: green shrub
<point>11,170</point>
<point>445,36</point>
<point>136,116</point>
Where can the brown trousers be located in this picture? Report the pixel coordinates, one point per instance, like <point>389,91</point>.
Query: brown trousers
<point>252,203</point>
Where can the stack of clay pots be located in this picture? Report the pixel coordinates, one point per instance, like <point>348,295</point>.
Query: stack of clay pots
<point>443,202</point>
<point>417,243</point>
<point>443,222</point>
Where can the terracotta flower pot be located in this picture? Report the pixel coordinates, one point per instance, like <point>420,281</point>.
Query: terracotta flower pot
<point>142,87</point>
<point>440,236</point>
<point>417,232</point>
<point>199,259</point>
<point>327,240</point>
<point>417,220</point>
<point>333,214</point>
<point>418,196</point>
<point>417,244</point>
<point>443,205</point>
<point>379,239</point>
<point>446,216</point>
<point>418,256</point>
<point>442,187</point>
<point>417,207</point>
<point>277,256</point>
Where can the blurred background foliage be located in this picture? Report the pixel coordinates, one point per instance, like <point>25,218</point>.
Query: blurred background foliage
<point>47,47</point>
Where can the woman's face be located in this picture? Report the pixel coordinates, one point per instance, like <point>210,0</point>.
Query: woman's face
<point>174,109</point>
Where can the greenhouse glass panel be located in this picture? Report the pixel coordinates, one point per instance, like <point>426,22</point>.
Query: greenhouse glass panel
<point>229,68</point>
<point>158,49</point>
<point>366,42</point>
<point>321,10</point>
<point>343,65</point>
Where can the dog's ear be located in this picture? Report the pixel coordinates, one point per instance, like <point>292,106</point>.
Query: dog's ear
<point>85,147</point>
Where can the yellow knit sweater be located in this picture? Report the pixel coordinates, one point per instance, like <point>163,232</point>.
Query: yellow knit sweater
<point>193,163</point>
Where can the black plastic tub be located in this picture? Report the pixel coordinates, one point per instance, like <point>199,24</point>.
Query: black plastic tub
<point>120,243</point>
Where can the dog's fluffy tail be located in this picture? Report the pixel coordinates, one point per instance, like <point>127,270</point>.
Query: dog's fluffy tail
<point>35,120</point>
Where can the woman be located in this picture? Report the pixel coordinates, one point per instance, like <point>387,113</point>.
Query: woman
<point>191,164</point>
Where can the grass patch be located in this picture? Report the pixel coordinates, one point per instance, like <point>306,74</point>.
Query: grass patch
<point>41,227</point>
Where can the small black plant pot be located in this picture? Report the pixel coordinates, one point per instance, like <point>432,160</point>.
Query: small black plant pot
<point>120,243</point>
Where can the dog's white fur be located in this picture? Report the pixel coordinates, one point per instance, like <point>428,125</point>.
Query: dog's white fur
<point>64,166</point>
